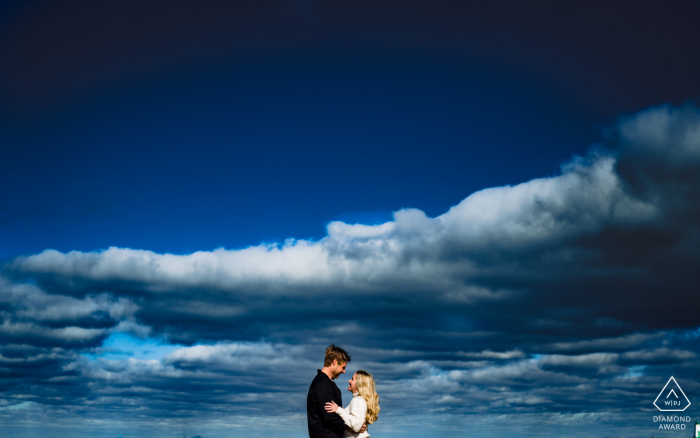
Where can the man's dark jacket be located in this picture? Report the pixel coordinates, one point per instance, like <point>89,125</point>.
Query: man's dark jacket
<point>323,424</point>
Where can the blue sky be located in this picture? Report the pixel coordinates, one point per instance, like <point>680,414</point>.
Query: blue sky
<point>493,208</point>
<point>319,137</point>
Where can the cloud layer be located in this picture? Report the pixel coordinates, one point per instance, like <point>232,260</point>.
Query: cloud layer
<point>559,296</point>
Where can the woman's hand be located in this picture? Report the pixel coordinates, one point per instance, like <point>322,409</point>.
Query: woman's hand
<point>331,407</point>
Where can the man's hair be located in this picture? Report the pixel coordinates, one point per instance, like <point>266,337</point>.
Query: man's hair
<point>333,352</point>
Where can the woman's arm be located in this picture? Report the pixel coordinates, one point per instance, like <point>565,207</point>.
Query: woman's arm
<point>359,411</point>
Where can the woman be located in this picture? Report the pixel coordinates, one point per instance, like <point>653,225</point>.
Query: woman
<point>364,406</point>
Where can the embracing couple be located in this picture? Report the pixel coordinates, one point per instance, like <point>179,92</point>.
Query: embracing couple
<point>327,418</point>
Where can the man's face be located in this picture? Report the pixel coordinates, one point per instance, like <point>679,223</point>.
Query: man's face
<point>338,369</point>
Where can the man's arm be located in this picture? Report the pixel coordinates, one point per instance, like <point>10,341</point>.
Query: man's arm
<point>325,395</point>
<point>316,427</point>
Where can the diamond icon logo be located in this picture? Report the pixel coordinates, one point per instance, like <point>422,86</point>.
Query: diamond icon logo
<point>672,398</point>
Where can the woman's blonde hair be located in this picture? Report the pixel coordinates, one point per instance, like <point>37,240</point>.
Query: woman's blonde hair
<point>365,386</point>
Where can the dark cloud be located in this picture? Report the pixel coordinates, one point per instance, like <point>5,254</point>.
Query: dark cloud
<point>567,295</point>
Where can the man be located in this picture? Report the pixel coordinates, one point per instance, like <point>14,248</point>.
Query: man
<point>323,424</point>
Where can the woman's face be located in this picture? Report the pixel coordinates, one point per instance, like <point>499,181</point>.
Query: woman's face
<point>352,387</point>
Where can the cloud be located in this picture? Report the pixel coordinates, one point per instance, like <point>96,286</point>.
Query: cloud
<point>603,344</point>
<point>658,355</point>
<point>535,247</point>
<point>488,354</point>
<point>533,298</point>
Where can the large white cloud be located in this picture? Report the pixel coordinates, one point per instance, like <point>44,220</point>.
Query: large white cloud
<point>519,246</point>
<point>411,248</point>
<point>534,239</point>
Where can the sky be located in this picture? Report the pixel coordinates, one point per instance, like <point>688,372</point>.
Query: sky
<point>493,207</point>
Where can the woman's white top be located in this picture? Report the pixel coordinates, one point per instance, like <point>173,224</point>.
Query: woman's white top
<point>354,417</point>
